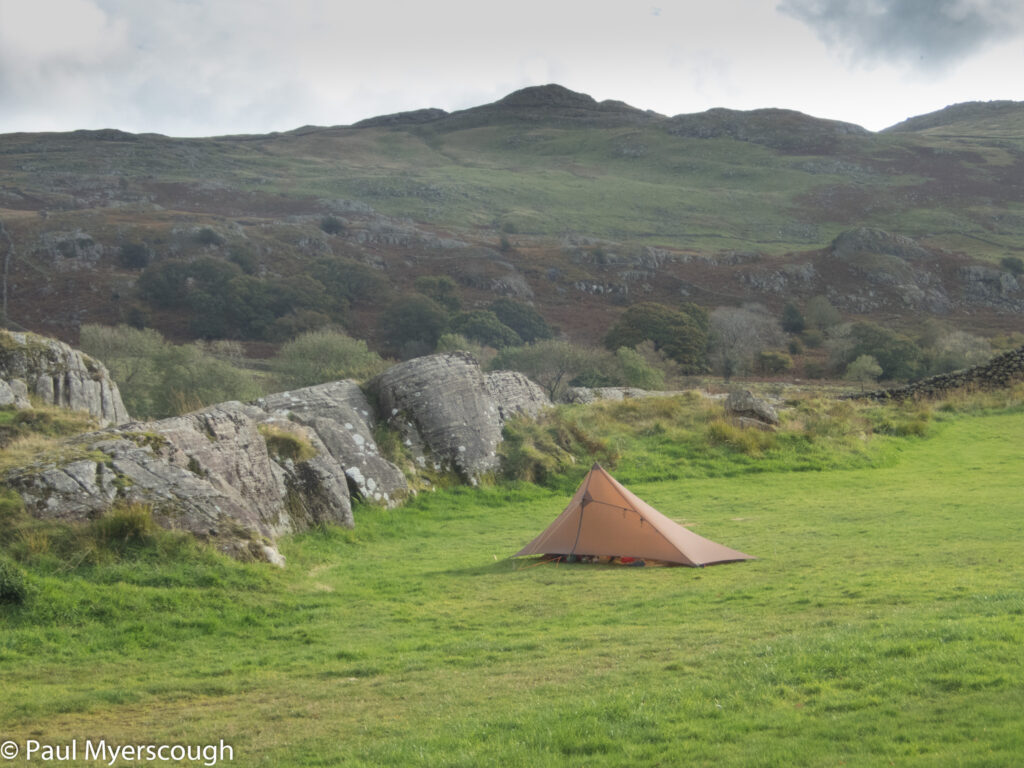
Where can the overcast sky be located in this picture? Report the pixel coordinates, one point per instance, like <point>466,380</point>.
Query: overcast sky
<point>209,67</point>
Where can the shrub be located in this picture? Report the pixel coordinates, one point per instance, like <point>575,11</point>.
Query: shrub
<point>552,364</point>
<point>332,225</point>
<point>523,319</point>
<point>681,333</point>
<point>13,589</point>
<point>325,355</point>
<point>441,289</point>
<point>207,236</point>
<point>636,371</point>
<point>411,323</point>
<point>1013,264</point>
<point>820,314</point>
<point>792,319</point>
<point>768,361</point>
<point>484,326</point>
<point>133,256</point>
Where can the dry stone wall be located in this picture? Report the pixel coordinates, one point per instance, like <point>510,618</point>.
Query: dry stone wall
<point>1001,371</point>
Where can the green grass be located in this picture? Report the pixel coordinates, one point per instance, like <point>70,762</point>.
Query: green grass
<point>881,624</point>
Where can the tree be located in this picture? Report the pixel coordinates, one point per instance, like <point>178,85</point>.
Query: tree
<point>820,314</point>
<point>552,364</point>
<point>738,334</point>
<point>522,318</point>
<point>636,371</point>
<point>792,319</point>
<point>681,333</point>
<point>441,289</point>
<point>133,256</point>
<point>1013,264</point>
<point>332,225</point>
<point>159,379</point>
<point>484,326</point>
<point>412,324</point>
<point>325,355</point>
<point>864,369</point>
<point>898,355</point>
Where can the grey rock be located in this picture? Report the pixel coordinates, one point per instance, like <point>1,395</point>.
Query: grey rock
<point>744,405</point>
<point>209,473</point>
<point>592,394</point>
<point>14,393</point>
<point>60,375</point>
<point>515,394</point>
<point>446,413</point>
<point>344,420</point>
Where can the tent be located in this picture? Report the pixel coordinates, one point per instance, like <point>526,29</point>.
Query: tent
<point>605,519</point>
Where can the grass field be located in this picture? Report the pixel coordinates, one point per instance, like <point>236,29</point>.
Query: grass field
<point>883,624</point>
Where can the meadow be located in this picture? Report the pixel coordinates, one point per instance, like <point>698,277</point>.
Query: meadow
<point>883,623</point>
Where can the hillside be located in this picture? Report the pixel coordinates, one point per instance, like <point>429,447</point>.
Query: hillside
<point>546,196</point>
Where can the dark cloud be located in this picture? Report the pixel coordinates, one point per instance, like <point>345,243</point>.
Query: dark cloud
<point>929,34</point>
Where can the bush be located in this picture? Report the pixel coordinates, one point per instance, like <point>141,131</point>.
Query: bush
<point>1013,264</point>
<point>820,314</point>
<point>133,256</point>
<point>13,589</point>
<point>552,364</point>
<point>769,362</point>
<point>484,326</point>
<point>332,225</point>
<point>325,355</point>
<point>441,289</point>
<point>523,319</point>
<point>792,319</point>
<point>158,379</point>
<point>207,236</point>
<point>681,333</point>
<point>413,323</point>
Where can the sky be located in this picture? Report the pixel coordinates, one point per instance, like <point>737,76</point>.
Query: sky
<point>215,67</point>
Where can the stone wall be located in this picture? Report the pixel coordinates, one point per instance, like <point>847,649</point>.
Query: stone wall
<point>1001,371</point>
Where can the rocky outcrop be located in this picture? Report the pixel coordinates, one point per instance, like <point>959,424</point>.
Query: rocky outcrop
<point>59,375</point>
<point>344,420</point>
<point>1000,372</point>
<point>229,473</point>
<point>448,414</point>
<point>243,475</point>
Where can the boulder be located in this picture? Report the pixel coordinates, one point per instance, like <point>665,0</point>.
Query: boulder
<point>59,375</point>
<point>447,412</point>
<point>745,406</point>
<point>515,394</point>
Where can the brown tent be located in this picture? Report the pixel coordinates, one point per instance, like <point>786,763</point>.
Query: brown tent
<point>605,519</point>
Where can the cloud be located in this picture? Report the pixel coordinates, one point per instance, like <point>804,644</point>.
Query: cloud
<point>932,35</point>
